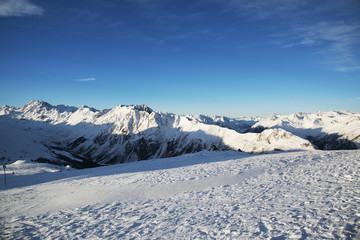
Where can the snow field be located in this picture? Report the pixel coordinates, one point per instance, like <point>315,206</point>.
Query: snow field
<point>208,195</point>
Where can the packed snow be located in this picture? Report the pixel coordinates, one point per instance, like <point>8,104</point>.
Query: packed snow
<point>207,195</point>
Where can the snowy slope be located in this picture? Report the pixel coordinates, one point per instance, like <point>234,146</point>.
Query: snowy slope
<point>207,195</point>
<point>86,137</point>
<point>241,124</point>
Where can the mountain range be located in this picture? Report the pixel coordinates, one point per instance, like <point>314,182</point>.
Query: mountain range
<point>87,137</point>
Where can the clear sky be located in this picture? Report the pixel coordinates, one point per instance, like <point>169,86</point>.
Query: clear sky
<point>214,57</point>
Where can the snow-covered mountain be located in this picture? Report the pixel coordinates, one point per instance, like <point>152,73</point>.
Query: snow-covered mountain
<point>326,130</point>
<point>86,137</point>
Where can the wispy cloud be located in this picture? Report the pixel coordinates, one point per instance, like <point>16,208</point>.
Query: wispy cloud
<point>349,69</point>
<point>262,10</point>
<point>331,28</point>
<point>12,8</point>
<point>336,41</point>
<point>85,79</point>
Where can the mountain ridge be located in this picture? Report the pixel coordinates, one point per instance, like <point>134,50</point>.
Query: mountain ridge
<point>87,137</point>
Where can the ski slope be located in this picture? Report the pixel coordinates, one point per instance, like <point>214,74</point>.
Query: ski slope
<point>206,195</point>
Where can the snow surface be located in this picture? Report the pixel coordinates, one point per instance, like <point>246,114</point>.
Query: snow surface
<point>26,167</point>
<point>206,195</point>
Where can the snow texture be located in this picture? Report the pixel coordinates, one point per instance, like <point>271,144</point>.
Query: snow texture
<point>206,195</point>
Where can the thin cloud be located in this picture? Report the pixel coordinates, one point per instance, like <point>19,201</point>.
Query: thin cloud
<point>337,40</point>
<point>349,69</point>
<point>262,10</point>
<point>18,8</point>
<point>309,25</point>
<point>85,79</point>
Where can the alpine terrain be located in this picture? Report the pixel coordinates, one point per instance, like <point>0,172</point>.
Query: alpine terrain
<point>86,137</point>
<point>282,177</point>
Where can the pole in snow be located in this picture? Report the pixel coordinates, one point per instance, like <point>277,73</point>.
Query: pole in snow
<point>4,166</point>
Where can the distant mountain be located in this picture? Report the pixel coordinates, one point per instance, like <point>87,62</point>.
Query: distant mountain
<point>326,130</point>
<point>86,137</point>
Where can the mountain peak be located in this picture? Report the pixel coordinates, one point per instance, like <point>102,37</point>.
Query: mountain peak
<point>90,108</point>
<point>36,104</point>
<point>143,107</point>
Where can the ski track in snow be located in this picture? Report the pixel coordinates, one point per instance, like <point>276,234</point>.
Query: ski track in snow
<point>222,195</point>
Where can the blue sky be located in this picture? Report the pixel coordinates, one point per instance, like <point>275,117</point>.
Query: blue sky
<point>214,57</point>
